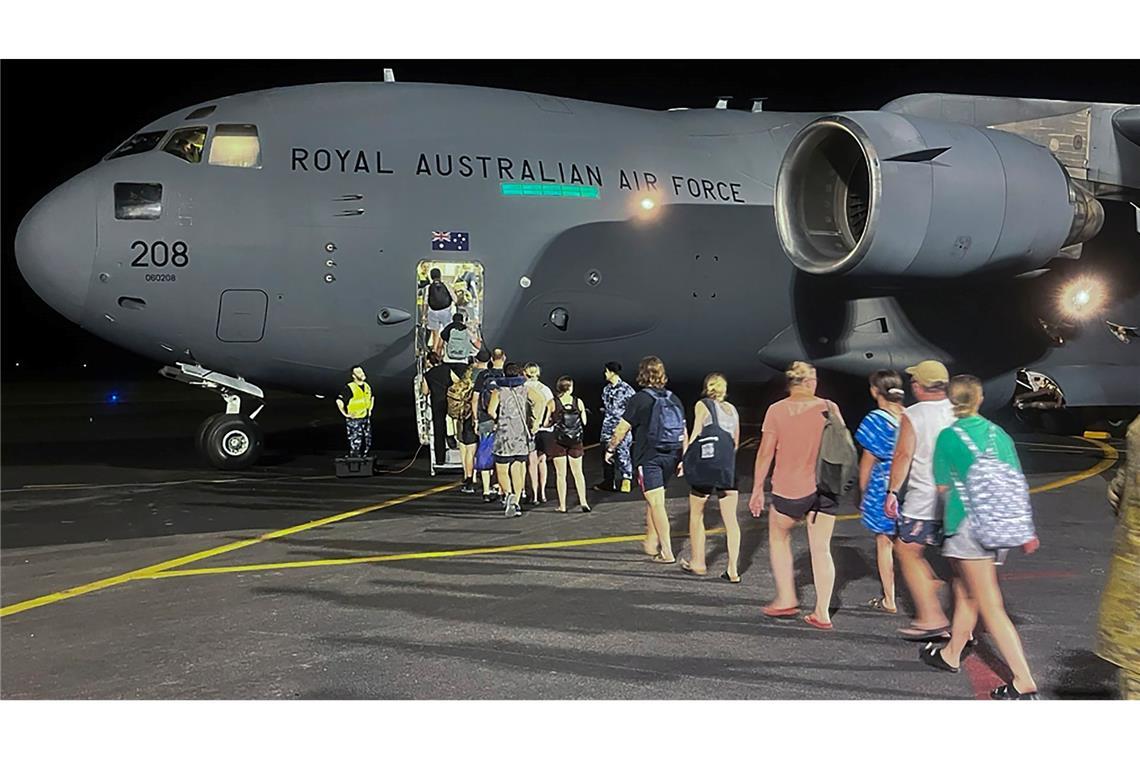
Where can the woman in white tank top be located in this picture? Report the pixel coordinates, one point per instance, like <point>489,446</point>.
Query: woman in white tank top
<point>728,419</point>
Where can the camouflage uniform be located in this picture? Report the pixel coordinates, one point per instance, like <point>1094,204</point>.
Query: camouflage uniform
<point>614,399</point>
<point>1118,632</point>
<point>359,435</point>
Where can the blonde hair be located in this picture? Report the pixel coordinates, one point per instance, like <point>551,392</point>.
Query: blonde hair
<point>716,387</point>
<point>532,371</point>
<point>651,373</point>
<point>799,373</point>
<point>965,393</point>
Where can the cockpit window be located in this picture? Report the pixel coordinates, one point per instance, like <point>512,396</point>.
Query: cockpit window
<point>138,200</point>
<point>235,145</point>
<point>187,144</point>
<point>140,143</point>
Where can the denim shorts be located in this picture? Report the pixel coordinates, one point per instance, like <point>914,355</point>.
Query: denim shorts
<point>915,531</point>
<point>657,469</point>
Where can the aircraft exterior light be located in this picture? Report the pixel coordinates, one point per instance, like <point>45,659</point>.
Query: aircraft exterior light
<point>1083,298</point>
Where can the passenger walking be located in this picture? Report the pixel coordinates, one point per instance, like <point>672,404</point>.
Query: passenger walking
<point>355,403</point>
<point>542,430</point>
<point>877,435</point>
<point>437,380</point>
<point>484,377</point>
<point>917,510</point>
<point>459,345</point>
<point>657,421</point>
<point>568,415</point>
<point>438,300</point>
<point>1118,629</point>
<point>710,469</point>
<point>459,409</point>
<point>618,474</point>
<point>976,469</point>
<point>791,435</point>
<point>513,440</point>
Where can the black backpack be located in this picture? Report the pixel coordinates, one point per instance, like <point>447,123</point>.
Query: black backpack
<point>437,296</point>
<point>710,462</point>
<point>568,429</point>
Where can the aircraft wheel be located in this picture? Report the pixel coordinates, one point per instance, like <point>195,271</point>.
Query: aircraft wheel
<point>203,430</point>
<point>232,442</point>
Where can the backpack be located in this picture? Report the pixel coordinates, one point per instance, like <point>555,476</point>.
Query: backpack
<point>710,462</point>
<point>459,397</point>
<point>666,421</point>
<point>437,296</point>
<point>568,429</point>
<point>458,343</point>
<point>836,465</point>
<point>996,497</point>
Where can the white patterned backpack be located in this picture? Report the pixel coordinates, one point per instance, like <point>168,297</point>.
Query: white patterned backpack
<point>996,497</point>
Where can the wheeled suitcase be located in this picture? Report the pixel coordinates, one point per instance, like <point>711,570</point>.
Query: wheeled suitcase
<point>355,467</point>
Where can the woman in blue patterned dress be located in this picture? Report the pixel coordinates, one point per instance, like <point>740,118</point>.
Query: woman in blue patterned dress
<point>877,435</point>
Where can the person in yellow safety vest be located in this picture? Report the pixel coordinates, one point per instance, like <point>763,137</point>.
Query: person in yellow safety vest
<point>355,402</point>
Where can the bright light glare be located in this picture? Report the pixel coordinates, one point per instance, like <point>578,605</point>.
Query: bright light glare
<point>647,204</point>
<point>1083,298</point>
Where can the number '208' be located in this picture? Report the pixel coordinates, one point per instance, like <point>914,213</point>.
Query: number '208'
<point>160,254</point>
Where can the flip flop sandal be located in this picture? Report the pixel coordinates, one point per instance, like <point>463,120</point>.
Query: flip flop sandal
<point>877,604</point>
<point>923,635</point>
<point>780,612</point>
<point>660,559</point>
<point>815,622</point>
<point>1006,691</point>
<point>586,508</point>
<point>729,578</point>
<point>932,656</point>
<point>689,569</point>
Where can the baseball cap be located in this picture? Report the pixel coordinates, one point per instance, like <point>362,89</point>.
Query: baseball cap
<point>927,373</point>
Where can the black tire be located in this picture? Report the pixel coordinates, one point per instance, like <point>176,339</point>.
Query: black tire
<point>233,442</point>
<point>203,431</point>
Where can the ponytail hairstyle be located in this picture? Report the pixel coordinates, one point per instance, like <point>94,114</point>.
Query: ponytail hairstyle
<point>888,384</point>
<point>716,387</point>
<point>799,373</point>
<point>965,393</point>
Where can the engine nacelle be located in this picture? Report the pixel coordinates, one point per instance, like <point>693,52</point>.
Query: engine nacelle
<point>881,194</point>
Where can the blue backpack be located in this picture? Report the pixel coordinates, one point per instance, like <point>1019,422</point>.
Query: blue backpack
<point>666,421</point>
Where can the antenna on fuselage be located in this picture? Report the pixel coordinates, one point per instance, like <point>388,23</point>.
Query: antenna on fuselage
<point>722,101</point>
<point>389,75</point>
<point>758,105</point>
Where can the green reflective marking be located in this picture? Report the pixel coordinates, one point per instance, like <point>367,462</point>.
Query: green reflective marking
<point>548,190</point>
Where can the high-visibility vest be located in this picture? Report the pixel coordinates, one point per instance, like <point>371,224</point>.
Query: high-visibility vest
<point>361,402</point>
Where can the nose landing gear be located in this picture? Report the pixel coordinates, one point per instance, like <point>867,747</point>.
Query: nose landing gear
<point>229,440</point>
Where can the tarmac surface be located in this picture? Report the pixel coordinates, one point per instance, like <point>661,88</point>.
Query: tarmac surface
<point>130,571</point>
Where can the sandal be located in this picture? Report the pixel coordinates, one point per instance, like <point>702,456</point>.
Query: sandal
<point>729,578</point>
<point>691,570</point>
<point>879,603</point>
<point>1006,691</point>
<point>780,612</point>
<point>932,656</point>
<point>586,508</point>
<point>815,622</point>
<point>922,635</point>
<point>659,558</point>
<point>559,509</point>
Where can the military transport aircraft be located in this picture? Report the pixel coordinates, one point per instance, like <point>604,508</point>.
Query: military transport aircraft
<point>278,238</point>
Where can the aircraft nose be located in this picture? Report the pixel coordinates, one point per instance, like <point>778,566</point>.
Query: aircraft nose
<point>55,246</point>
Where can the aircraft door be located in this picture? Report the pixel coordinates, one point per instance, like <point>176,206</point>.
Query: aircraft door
<point>241,316</point>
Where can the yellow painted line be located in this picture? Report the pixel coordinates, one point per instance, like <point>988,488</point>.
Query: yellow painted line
<point>151,570</point>
<point>1111,455</point>
<point>1098,435</point>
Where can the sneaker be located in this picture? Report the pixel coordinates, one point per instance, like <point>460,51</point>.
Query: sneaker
<point>509,510</point>
<point>468,487</point>
<point>488,498</point>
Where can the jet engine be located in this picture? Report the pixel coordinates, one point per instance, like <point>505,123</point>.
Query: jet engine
<point>880,194</point>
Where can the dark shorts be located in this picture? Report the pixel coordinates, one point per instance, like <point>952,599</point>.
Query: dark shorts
<point>915,531</point>
<point>556,449</point>
<point>467,434</point>
<point>706,491</point>
<point>657,469</point>
<point>511,458</point>
<point>543,441</point>
<point>798,509</point>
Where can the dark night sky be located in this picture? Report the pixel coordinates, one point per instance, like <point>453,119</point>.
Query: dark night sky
<point>61,117</point>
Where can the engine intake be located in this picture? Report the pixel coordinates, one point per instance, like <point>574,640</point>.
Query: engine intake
<point>882,194</point>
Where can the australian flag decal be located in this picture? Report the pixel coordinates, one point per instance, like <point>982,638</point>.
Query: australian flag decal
<point>450,241</point>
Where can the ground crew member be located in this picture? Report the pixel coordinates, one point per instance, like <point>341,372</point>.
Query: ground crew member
<point>355,402</point>
<point>1118,632</point>
<point>615,395</point>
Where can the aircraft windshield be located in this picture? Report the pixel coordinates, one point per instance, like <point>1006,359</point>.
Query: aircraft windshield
<point>140,143</point>
<point>187,144</point>
<point>235,145</point>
